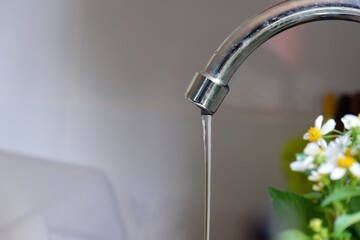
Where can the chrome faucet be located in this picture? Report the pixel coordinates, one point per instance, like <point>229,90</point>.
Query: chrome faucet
<point>209,87</point>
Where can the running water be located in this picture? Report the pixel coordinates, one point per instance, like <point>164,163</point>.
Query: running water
<point>206,123</point>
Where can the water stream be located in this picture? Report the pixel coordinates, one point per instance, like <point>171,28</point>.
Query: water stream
<point>206,123</point>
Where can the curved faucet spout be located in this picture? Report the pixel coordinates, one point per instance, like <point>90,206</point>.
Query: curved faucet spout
<point>209,87</point>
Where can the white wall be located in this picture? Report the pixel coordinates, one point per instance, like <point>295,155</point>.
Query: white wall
<point>101,84</point>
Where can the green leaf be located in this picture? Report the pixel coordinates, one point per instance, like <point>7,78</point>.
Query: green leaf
<point>293,235</point>
<point>293,210</point>
<point>314,196</point>
<point>340,194</point>
<point>354,207</point>
<point>345,221</point>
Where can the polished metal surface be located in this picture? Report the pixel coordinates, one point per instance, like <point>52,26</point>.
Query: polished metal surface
<point>206,93</point>
<point>207,89</point>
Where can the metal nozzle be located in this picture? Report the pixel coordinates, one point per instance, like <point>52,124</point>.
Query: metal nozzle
<point>206,93</point>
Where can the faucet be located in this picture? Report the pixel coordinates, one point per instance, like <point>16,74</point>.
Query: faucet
<point>209,87</point>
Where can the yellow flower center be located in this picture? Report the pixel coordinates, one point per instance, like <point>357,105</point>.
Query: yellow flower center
<point>346,162</point>
<point>314,134</point>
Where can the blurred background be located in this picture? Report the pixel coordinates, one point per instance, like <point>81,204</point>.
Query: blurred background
<point>98,143</point>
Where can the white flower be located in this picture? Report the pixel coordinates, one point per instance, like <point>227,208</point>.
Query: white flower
<point>339,159</point>
<point>338,146</point>
<point>338,168</point>
<point>318,186</point>
<point>316,177</point>
<point>307,163</point>
<point>316,133</point>
<point>350,121</point>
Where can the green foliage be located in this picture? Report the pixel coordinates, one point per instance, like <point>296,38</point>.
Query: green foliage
<point>354,206</point>
<point>292,235</point>
<point>340,194</point>
<point>296,211</point>
<point>345,221</point>
<point>293,210</point>
<point>330,162</point>
<point>313,196</point>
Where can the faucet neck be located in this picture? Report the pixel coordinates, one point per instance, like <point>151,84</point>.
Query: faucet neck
<point>254,32</point>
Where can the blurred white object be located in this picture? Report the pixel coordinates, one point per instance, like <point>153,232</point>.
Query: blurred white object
<point>31,227</point>
<point>43,200</point>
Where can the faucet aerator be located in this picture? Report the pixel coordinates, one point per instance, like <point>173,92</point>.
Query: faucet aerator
<point>206,93</point>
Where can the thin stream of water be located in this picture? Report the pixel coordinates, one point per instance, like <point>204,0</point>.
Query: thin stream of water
<point>206,123</point>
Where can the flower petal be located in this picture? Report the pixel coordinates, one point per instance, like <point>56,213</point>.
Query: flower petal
<point>312,149</point>
<point>322,143</point>
<point>328,127</point>
<point>297,166</point>
<point>337,173</point>
<point>318,122</point>
<point>314,176</point>
<point>318,187</point>
<point>343,142</point>
<point>309,160</point>
<point>355,169</point>
<point>350,121</point>
<point>333,151</point>
<point>326,168</point>
<point>306,136</point>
